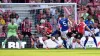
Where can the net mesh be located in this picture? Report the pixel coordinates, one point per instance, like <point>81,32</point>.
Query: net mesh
<point>32,10</point>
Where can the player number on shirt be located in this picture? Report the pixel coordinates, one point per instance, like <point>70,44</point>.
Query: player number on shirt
<point>64,23</point>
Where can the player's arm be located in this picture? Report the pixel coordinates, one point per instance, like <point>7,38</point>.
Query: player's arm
<point>89,30</point>
<point>70,23</point>
<point>17,28</point>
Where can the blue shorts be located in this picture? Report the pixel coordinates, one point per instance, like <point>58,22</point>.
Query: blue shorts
<point>57,32</point>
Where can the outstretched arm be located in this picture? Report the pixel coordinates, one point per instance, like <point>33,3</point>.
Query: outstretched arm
<point>89,30</point>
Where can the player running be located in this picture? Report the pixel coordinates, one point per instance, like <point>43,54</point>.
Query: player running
<point>64,26</point>
<point>12,31</point>
<point>81,28</point>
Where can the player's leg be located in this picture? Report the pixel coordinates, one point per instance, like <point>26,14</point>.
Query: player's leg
<point>95,41</point>
<point>54,37</point>
<point>78,41</point>
<point>78,38</point>
<point>44,41</point>
<point>15,34</point>
<point>8,36</point>
<point>75,32</point>
<point>24,34</point>
<point>69,35</point>
<point>56,41</point>
<point>74,43</point>
<point>86,40</point>
<point>31,39</point>
<point>86,35</point>
<point>64,38</point>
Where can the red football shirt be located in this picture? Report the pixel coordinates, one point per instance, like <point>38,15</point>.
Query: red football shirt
<point>81,27</point>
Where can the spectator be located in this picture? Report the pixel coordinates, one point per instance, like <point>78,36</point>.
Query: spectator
<point>40,16</point>
<point>2,21</point>
<point>6,1</point>
<point>53,22</point>
<point>98,15</point>
<point>2,34</point>
<point>48,14</point>
<point>56,14</point>
<point>82,2</point>
<point>98,33</point>
<point>38,1</point>
<point>47,1</point>
<point>19,1</point>
<point>58,1</point>
<point>96,29</point>
<point>17,20</point>
<point>13,15</point>
<point>31,1</point>
<point>60,10</point>
<point>6,16</point>
<point>85,14</point>
<point>89,10</point>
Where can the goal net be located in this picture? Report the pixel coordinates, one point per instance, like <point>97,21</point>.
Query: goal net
<point>31,10</point>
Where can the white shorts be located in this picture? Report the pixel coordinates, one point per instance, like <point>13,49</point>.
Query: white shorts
<point>64,34</point>
<point>87,33</point>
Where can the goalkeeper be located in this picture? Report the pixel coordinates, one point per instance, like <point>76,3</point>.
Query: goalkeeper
<point>12,32</point>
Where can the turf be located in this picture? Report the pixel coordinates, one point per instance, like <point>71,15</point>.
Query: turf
<point>51,52</point>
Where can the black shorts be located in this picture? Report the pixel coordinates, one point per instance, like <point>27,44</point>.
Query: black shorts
<point>75,31</point>
<point>69,34</point>
<point>78,36</point>
<point>27,33</point>
<point>56,33</point>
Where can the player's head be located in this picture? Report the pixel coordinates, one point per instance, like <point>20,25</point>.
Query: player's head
<point>89,17</point>
<point>17,16</point>
<point>61,15</point>
<point>26,19</point>
<point>41,11</point>
<point>81,19</point>
<point>70,17</point>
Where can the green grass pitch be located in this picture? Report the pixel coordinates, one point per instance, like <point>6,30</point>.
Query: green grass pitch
<point>51,52</point>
